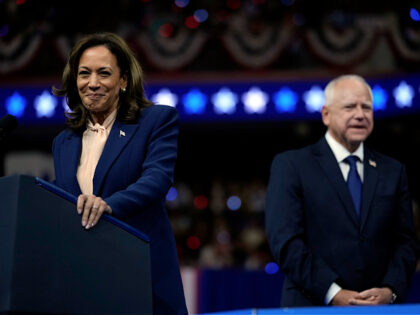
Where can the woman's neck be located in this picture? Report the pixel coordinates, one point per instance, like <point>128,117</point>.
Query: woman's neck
<point>99,118</point>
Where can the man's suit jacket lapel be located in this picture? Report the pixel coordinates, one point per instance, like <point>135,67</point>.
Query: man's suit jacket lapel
<point>329,165</point>
<point>70,156</point>
<point>370,180</point>
<point>118,138</point>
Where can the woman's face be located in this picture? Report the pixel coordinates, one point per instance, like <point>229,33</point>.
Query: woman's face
<point>99,82</point>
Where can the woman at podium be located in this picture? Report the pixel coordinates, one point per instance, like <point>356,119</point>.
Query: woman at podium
<point>118,153</point>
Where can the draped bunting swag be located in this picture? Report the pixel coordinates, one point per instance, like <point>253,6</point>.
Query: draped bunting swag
<point>336,47</point>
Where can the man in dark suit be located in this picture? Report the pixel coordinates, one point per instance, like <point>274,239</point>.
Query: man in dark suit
<point>341,227</point>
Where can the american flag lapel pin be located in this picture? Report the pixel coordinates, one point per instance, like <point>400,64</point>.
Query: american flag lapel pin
<point>372,163</point>
<point>122,133</point>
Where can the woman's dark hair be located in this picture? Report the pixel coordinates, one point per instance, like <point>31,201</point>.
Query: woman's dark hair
<point>131,101</point>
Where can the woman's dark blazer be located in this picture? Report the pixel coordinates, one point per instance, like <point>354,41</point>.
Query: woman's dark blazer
<point>133,176</point>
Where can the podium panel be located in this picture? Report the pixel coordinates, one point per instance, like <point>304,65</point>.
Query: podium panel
<point>50,264</point>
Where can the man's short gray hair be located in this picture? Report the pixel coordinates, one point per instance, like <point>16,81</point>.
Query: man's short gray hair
<point>330,88</point>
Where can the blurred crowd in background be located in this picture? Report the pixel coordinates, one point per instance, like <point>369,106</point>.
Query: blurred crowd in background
<point>223,227</point>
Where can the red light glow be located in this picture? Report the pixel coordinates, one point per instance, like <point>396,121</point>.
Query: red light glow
<point>166,30</point>
<point>193,242</point>
<point>201,202</point>
<point>190,22</point>
<point>233,4</point>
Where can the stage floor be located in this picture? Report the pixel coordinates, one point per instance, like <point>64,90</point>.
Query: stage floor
<point>359,310</point>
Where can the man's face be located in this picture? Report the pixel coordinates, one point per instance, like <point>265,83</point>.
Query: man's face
<point>349,117</point>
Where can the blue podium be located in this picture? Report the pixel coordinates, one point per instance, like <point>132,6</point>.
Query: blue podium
<point>50,264</point>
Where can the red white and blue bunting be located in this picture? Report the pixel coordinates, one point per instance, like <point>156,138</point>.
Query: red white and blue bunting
<point>255,50</point>
<point>171,53</point>
<point>342,47</point>
<point>19,52</point>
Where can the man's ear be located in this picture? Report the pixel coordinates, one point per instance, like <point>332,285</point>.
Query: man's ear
<point>325,115</point>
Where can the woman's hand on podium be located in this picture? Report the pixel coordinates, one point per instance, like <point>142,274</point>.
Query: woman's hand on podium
<point>91,208</point>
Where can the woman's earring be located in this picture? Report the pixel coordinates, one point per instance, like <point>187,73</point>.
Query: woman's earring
<point>123,90</point>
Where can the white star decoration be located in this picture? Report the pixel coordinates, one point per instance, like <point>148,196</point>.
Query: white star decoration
<point>45,105</point>
<point>224,101</point>
<point>403,94</point>
<point>255,100</point>
<point>314,99</point>
<point>165,97</point>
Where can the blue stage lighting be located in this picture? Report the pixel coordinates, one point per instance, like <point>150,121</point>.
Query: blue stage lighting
<point>172,194</point>
<point>194,102</point>
<point>15,105</point>
<point>182,3</point>
<point>285,100</point>
<point>414,14</point>
<point>380,97</point>
<point>234,203</point>
<point>271,268</point>
<point>223,102</point>
<point>201,15</point>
